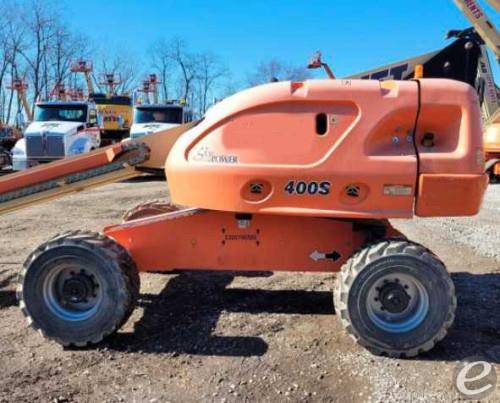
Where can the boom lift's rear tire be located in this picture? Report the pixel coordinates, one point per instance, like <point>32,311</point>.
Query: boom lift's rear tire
<point>395,298</point>
<point>78,288</point>
<point>148,209</point>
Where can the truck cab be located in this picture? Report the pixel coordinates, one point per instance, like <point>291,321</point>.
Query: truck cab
<point>59,129</point>
<point>153,118</point>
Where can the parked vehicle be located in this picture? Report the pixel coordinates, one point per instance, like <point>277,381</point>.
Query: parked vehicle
<point>154,118</point>
<point>59,129</point>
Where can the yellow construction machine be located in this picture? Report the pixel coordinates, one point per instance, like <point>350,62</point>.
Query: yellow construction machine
<point>114,110</point>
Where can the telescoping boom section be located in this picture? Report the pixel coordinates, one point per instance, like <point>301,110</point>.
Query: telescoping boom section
<point>110,164</point>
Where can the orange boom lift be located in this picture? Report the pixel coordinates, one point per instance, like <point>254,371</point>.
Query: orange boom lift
<point>298,176</point>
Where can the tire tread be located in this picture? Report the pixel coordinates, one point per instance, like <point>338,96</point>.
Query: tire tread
<point>156,206</point>
<point>102,246</point>
<point>369,254</point>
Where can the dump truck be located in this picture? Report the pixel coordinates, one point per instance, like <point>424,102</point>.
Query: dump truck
<point>288,176</point>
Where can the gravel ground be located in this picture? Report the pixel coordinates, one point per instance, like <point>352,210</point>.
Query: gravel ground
<point>238,337</point>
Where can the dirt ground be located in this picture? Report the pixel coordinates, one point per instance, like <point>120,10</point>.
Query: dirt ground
<point>226,337</point>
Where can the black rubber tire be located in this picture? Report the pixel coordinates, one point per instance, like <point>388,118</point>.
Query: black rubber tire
<point>374,261</point>
<point>118,278</point>
<point>149,209</point>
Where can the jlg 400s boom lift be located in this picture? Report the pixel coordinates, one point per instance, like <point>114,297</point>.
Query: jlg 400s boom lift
<point>298,176</point>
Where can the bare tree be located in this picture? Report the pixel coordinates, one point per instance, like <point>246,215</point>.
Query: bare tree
<point>121,66</point>
<point>276,70</point>
<point>4,59</point>
<point>209,71</point>
<point>192,76</point>
<point>41,23</point>
<point>178,52</point>
<point>12,38</point>
<point>229,86</point>
<point>65,48</point>
<point>36,45</point>
<point>164,66</point>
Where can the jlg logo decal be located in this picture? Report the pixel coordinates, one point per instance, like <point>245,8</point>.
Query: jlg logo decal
<point>310,188</point>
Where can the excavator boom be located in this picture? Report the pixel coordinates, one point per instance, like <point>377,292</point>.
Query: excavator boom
<point>107,165</point>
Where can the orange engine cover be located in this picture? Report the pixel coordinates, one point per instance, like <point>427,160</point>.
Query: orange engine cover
<point>333,148</point>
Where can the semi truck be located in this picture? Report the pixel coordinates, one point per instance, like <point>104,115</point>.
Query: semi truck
<point>59,129</point>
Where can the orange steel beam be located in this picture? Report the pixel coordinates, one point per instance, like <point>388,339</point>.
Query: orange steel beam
<point>106,165</point>
<point>70,175</point>
<point>207,239</point>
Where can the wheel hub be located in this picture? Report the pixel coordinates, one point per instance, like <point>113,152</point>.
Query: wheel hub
<point>78,288</point>
<point>393,297</point>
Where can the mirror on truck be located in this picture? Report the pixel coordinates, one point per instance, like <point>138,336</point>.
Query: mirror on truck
<point>92,117</point>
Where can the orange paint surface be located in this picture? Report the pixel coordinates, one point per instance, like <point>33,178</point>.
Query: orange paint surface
<point>464,195</point>
<point>201,239</point>
<point>345,133</point>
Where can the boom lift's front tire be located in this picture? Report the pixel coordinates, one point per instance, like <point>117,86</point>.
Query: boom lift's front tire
<point>395,298</point>
<point>78,288</point>
<point>148,209</point>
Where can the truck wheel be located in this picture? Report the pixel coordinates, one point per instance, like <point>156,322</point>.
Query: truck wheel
<point>395,298</point>
<point>78,288</point>
<point>148,209</point>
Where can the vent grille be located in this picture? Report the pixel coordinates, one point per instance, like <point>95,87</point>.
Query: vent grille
<point>45,146</point>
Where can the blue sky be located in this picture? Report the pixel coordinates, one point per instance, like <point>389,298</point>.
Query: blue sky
<point>353,35</point>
